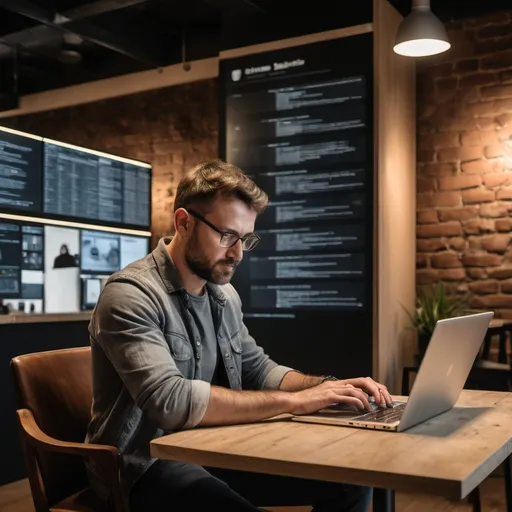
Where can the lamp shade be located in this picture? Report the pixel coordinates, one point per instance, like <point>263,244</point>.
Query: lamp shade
<point>421,34</point>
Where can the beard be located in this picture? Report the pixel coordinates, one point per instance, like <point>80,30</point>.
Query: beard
<point>218,273</point>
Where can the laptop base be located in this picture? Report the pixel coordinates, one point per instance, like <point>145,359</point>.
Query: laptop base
<point>347,418</point>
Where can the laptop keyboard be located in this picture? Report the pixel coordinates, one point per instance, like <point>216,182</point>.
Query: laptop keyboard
<point>384,415</point>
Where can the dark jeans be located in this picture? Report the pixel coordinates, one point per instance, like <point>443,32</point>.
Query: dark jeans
<point>175,486</point>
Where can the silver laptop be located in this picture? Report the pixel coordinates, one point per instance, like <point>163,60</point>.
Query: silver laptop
<point>444,370</point>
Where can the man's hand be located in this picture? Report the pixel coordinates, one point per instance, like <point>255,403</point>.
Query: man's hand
<point>368,385</point>
<point>350,392</point>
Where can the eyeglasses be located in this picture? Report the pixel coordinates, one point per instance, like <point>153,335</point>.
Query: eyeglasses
<point>249,242</point>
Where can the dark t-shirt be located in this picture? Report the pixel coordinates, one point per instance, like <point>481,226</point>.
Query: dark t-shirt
<point>212,368</point>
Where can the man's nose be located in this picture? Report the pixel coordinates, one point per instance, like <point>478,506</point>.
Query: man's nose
<point>236,252</point>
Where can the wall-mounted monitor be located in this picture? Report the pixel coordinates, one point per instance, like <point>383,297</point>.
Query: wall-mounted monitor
<point>133,248</point>
<point>10,260</point>
<point>21,160</point>
<point>104,253</point>
<point>300,124</point>
<point>21,266</point>
<point>100,252</point>
<point>57,269</point>
<point>91,289</point>
<point>95,187</point>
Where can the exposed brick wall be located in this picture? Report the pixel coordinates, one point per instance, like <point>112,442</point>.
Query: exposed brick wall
<point>172,128</point>
<point>464,174</point>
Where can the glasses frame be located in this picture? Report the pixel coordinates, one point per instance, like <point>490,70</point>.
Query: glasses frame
<point>224,234</point>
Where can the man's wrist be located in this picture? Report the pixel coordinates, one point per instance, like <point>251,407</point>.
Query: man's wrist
<point>326,378</point>
<point>298,381</point>
<point>311,381</point>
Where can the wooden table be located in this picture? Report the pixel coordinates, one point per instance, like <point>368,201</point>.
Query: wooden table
<point>448,455</point>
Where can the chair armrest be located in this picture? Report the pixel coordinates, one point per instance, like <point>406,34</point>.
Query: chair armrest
<point>39,439</point>
<point>106,458</point>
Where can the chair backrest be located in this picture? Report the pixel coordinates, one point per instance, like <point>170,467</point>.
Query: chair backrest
<point>56,386</point>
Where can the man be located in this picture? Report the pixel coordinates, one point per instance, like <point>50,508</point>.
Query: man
<point>170,351</point>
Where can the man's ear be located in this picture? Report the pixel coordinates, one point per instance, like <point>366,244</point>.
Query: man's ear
<point>182,222</point>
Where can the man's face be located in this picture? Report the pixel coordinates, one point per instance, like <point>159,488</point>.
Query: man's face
<point>204,255</point>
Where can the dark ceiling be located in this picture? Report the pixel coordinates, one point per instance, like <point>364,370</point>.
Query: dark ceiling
<point>46,44</point>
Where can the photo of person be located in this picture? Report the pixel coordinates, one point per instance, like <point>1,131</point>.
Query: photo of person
<point>62,283</point>
<point>64,259</point>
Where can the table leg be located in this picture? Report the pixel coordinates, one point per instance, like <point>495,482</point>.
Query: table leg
<point>508,482</point>
<point>383,500</point>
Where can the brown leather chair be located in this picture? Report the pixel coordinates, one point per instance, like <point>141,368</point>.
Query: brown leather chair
<point>55,395</point>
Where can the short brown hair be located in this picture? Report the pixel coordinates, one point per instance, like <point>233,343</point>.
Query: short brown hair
<point>206,181</point>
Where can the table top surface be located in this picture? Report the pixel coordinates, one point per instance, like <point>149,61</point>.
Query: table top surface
<point>448,455</point>
<point>36,318</point>
<point>500,322</point>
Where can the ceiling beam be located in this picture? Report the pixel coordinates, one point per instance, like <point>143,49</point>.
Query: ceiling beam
<point>115,87</point>
<point>146,49</point>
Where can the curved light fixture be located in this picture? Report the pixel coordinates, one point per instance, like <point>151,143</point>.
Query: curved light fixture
<point>421,33</point>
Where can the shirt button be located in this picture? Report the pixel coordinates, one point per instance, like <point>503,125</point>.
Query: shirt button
<point>198,342</point>
<point>226,355</point>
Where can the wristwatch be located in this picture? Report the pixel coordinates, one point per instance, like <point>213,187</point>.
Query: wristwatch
<point>328,377</point>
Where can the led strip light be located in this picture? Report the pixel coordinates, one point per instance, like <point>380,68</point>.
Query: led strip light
<point>39,220</point>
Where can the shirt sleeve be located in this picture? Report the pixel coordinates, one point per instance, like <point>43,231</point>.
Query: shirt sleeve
<point>275,376</point>
<point>127,328</point>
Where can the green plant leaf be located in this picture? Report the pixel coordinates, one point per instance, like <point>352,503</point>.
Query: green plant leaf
<point>435,303</point>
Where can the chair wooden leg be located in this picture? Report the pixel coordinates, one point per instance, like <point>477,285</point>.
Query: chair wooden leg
<point>474,499</point>
<point>508,484</point>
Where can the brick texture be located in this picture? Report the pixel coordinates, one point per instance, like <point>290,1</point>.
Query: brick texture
<point>172,128</point>
<point>464,200</point>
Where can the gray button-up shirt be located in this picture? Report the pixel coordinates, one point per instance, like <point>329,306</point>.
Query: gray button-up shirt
<point>147,358</point>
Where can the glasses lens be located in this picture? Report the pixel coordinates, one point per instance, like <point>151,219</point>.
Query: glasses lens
<point>250,243</point>
<point>228,240</point>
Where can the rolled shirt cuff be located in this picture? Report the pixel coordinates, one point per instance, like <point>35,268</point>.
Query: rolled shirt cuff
<point>199,398</point>
<point>275,376</point>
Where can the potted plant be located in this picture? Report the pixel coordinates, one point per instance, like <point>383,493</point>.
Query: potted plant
<point>433,304</point>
